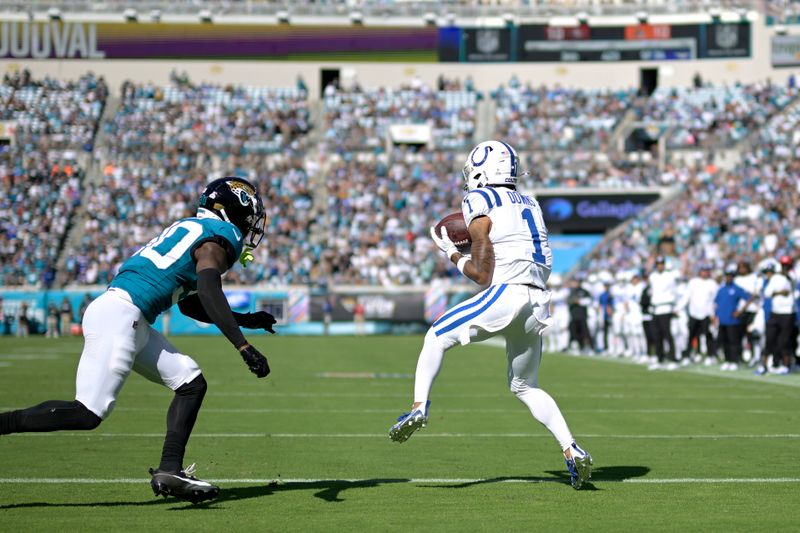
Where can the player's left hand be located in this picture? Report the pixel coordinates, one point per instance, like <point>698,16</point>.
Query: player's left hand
<point>255,361</point>
<point>257,320</point>
<point>444,243</point>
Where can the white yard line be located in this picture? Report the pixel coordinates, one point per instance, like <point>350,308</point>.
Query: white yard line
<point>460,411</point>
<point>422,435</point>
<point>389,481</point>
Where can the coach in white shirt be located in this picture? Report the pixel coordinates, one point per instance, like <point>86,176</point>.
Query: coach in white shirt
<point>699,302</point>
<point>781,320</point>
<point>663,295</point>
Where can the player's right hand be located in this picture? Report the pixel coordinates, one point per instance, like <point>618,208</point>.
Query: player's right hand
<point>255,361</point>
<point>444,243</point>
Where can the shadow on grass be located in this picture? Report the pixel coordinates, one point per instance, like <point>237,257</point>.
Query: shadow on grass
<point>330,489</point>
<point>327,489</point>
<point>607,473</point>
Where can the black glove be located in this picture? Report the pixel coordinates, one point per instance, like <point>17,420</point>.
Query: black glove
<point>255,361</point>
<point>258,320</point>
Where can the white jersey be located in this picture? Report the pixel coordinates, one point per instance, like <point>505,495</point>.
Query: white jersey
<point>752,284</point>
<point>522,253</point>
<point>621,293</point>
<point>700,297</point>
<point>634,307</point>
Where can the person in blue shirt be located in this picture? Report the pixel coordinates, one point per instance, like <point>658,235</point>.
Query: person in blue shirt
<point>182,265</point>
<point>727,310</point>
<point>606,301</point>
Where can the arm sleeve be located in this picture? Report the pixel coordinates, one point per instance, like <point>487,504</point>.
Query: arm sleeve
<point>475,204</point>
<point>209,291</point>
<point>192,307</point>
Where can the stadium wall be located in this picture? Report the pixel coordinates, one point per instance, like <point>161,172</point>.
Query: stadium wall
<point>299,310</point>
<point>486,76</point>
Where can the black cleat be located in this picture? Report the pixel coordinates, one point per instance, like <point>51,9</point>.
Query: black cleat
<point>182,485</point>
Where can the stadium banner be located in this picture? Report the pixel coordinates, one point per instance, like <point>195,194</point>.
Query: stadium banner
<point>109,40</point>
<point>391,307</point>
<point>298,310</point>
<point>591,213</point>
<point>8,132</point>
<point>540,43</point>
<point>786,50</point>
<point>486,45</point>
<point>638,42</point>
<point>726,40</point>
<point>410,133</point>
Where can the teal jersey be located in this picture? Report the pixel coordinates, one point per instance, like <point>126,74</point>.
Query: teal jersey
<point>163,271</point>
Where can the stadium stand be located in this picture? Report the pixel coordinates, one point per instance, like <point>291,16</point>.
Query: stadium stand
<point>343,204</point>
<point>714,116</point>
<point>380,208</point>
<point>164,143</point>
<point>398,8</point>
<point>41,177</point>
<point>558,118</point>
<point>748,213</point>
<point>357,120</point>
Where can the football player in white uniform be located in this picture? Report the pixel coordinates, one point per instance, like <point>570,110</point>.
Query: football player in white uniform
<point>510,255</point>
<point>557,338</point>
<point>634,330</point>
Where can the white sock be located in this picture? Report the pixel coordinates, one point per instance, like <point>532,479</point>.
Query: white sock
<point>544,409</point>
<point>428,366</point>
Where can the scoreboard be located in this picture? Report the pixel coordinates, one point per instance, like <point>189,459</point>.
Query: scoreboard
<point>640,42</point>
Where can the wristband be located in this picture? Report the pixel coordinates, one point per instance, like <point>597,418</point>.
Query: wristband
<point>462,263</point>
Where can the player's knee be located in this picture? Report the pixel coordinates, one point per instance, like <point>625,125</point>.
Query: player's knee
<point>83,418</point>
<point>197,387</point>
<point>518,386</point>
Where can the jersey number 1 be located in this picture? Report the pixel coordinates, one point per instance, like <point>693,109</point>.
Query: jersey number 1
<point>538,256</point>
<point>167,248</point>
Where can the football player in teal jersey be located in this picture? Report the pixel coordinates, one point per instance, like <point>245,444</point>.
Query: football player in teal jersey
<point>182,265</point>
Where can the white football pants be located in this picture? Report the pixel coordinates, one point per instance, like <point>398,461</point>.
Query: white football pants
<point>118,339</point>
<point>520,313</point>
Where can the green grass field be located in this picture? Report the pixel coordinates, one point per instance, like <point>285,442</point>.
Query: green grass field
<point>306,449</point>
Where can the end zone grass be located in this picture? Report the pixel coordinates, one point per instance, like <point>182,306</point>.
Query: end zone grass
<point>305,450</point>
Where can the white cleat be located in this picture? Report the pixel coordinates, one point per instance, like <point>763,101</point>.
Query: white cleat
<point>408,423</point>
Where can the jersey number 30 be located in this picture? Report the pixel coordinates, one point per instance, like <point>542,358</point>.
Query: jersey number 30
<point>538,256</point>
<point>168,247</point>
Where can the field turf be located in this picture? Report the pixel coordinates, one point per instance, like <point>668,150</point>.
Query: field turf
<point>306,449</point>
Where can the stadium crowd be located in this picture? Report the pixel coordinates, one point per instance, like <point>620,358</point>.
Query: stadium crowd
<point>41,178</point>
<point>358,120</point>
<point>352,208</point>
<point>558,118</point>
<point>742,225</point>
<point>714,116</point>
<point>163,143</point>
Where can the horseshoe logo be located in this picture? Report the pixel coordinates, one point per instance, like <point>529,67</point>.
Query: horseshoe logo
<point>486,150</point>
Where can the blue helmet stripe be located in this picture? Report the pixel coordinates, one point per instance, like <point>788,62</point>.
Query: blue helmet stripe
<point>513,159</point>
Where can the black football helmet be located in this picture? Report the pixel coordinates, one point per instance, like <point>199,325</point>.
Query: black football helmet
<point>237,201</point>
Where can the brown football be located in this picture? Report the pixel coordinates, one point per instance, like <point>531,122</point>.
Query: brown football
<point>456,230</point>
